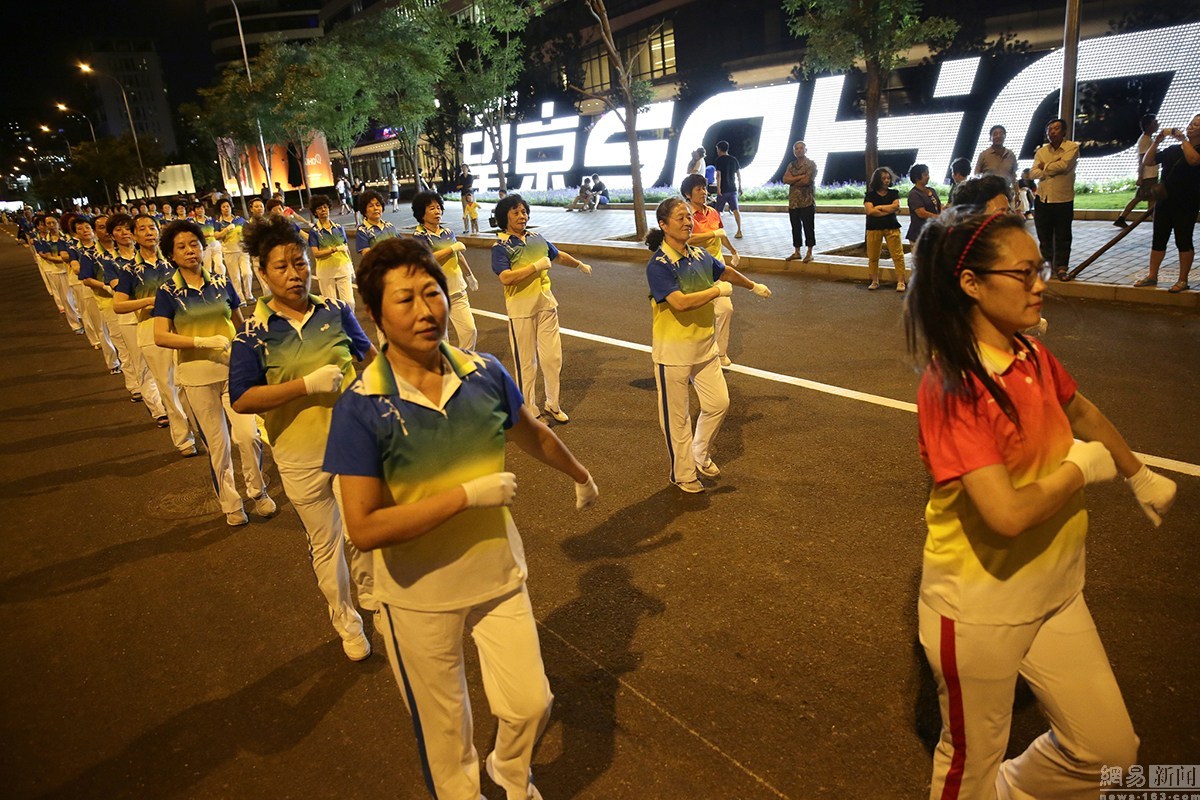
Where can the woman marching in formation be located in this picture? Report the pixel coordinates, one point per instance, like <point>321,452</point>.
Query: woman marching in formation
<point>684,281</point>
<point>1001,590</point>
<point>289,365</point>
<point>196,314</point>
<point>331,249</point>
<point>228,231</point>
<point>427,209</point>
<point>418,444</point>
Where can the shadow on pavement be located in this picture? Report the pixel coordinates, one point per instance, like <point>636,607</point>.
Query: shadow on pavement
<point>271,715</point>
<point>636,528</point>
<point>73,438</point>
<point>46,482</point>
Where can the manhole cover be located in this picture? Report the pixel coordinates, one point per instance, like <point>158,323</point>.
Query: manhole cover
<point>183,504</point>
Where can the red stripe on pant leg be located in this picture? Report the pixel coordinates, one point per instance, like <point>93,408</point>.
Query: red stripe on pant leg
<point>958,731</point>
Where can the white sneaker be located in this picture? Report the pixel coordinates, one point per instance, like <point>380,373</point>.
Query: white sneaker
<point>691,487</point>
<point>873,285</point>
<point>900,286</point>
<point>534,794</point>
<point>264,506</point>
<point>557,414</point>
<point>708,469</point>
<point>357,648</point>
<point>725,362</point>
<point>236,518</point>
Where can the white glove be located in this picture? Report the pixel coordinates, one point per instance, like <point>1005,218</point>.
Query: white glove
<point>761,290</point>
<point>1154,493</point>
<point>735,259</point>
<point>725,288</point>
<point>490,491</point>
<point>542,264</point>
<point>458,247</point>
<point>1093,460</point>
<point>324,379</point>
<point>586,494</point>
<point>586,269</point>
<point>472,284</point>
<point>211,342</point>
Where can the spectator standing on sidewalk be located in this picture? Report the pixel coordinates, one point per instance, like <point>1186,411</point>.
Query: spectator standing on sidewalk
<point>729,184</point>
<point>882,203</point>
<point>1147,175</point>
<point>960,170</point>
<point>998,159</point>
<point>801,178</point>
<point>464,185</point>
<point>923,202</point>
<point>696,165</point>
<point>1176,212</point>
<point>1054,168</point>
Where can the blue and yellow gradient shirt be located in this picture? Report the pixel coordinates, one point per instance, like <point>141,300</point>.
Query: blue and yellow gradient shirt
<point>682,337</point>
<point>337,264</point>
<point>440,240</point>
<point>528,297</point>
<point>207,311</point>
<point>233,242</point>
<point>369,234</point>
<point>140,280</point>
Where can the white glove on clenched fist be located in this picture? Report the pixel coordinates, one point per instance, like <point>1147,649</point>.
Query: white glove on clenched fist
<point>323,380</point>
<point>586,494</point>
<point>725,288</point>
<point>1154,493</point>
<point>472,284</point>
<point>458,247</point>
<point>1093,460</point>
<point>586,269</point>
<point>761,290</point>
<point>735,259</point>
<point>542,264</point>
<point>490,491</point>
<point>211,342</point>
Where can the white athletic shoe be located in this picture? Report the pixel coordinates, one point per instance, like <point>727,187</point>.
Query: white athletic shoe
<point>357,648</point>
<point>534,794</point>
<point>691,487</point>
<point>708,469</point>
<point>557,414</point>
<point>235,518</point>
<point>264,506</point>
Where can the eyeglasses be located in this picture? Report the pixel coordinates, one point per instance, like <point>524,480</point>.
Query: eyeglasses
<point>1027,276</point>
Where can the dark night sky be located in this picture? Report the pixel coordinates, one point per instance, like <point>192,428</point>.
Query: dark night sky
<point>44,40</point>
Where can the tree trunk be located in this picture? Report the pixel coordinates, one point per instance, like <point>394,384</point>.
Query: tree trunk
<point>493,134</point>
<point>415,159</point>
<point>639,197</point>
<point>871,112</point>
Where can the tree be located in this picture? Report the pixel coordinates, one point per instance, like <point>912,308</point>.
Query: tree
<point>116,161</point>
<point>227,116</point>
<point>879,33</point>
<point>629,95</point>
<point>293,82</point>
<point>346,94</point>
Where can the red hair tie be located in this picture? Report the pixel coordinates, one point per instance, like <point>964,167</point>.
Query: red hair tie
<point>963,256</point>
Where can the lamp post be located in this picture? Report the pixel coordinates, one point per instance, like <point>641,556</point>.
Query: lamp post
<point>87,70</point>
<point>262,144</point>
<point>69,112</point>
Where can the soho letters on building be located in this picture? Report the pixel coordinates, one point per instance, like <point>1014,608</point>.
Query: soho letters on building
<point>543,153</point>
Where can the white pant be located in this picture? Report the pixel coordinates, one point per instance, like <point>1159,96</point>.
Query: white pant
<point>723,308</point>
<point>161,362</point>
<point>238,268</point>
<point>1063,661</point>
<point>536,343</point>
<point>137,371</point>
<point>46,280</point>
<point>463,321</point>
<point>339,288</point>
<point>62,296</point>
<point>426,653</point>
<point>215,416</point>
<point>675,415</point>
<point>314,495</point>
<point>213,262</point>
<point>93,324</point>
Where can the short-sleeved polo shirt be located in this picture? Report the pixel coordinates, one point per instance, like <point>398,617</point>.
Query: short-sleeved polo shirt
<point>440,240</point>
<point>271,350</point>
<point>384,428</point>
<point>336,264</point>
<point>971,573</point>
<point>369,234</point>
<point>207,311</point>
<point>91,266</point>
<point>528,297</point>
<point>682,337</point>
<point>56,247</point>
<point>705,220</point>
<point>231,244</point>
<point>140,280</point>
<point>208,227</point>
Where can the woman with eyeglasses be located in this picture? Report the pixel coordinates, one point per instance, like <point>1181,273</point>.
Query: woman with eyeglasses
<point>1001,590</point>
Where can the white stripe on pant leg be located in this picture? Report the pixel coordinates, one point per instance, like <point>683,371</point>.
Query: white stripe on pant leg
<point>713,394</point>
<point>311,492</point>
<point>549,354</point>
<point>205,402</point>
<point>161,362</point>
<point>245,435</point>
<point>675,389</point>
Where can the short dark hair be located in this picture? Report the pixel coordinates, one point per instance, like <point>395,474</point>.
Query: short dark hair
<point>978,191</point>
<point>722,146</point>
<point>916,171</point>
<point>273,204</point>
<point>422,200</point>
<point>960,166</point>
<point>141,217</point>
<point>77,220</point>
<point>995,128</point>
<point>876,182</point>
<point>690,183</point>
<point>1147,119</point>
<point>166,242</point>
<point>506,205</point>
<point>390,254</point>
<point>1056,119</point>
<point>319,200</point>
<point>366,197</point>
<point>264,235</point>
<point>662,213</point>
<point>200,206</point>
<point>254,200</point>
<point>222,202</point>
<point>116,221</point>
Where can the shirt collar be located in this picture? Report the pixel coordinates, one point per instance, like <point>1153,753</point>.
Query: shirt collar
<point>181,283</point>
<point>674,256</point>
<point>379,378</point>
<point>998,361</point>
<point>263,312</point>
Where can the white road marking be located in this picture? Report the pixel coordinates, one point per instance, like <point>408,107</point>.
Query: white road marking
<point>1170,464</point>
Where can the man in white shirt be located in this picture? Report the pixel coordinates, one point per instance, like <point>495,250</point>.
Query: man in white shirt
<point>998,159</point>
<point>1054,169</point>
<point>1147,175</point>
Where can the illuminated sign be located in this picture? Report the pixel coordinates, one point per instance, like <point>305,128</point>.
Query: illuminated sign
<point>541,154</point>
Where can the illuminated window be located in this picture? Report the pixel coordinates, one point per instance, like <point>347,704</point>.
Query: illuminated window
<point>652,50</point>
<point>596,76</point>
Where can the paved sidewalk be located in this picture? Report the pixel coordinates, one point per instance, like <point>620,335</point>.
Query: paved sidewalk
<point>767,241</point>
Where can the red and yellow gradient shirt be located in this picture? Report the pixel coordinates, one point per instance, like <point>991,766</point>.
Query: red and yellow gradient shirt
<point>971,573</point>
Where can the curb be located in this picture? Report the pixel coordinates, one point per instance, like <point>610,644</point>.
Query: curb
<point>1081,215</point>
<point>856,270</point>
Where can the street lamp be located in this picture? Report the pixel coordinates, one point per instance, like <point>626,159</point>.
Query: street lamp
<point>69,112</point>
<point>86,69</point>
<point>237,15</point>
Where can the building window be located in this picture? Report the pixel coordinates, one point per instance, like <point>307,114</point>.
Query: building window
<point>595,70</point>
<point>652,50</point>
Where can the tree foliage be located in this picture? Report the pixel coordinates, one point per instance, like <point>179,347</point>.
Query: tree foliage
<point>346,96</point>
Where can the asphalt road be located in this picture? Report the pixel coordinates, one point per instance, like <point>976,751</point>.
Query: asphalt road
<point>758,641</point>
